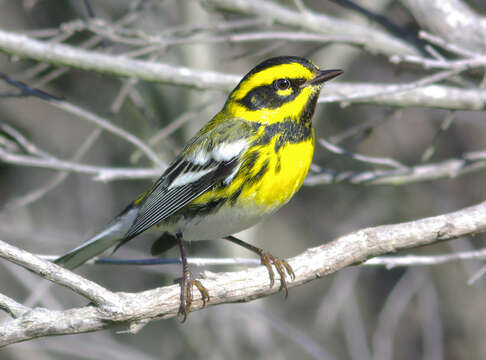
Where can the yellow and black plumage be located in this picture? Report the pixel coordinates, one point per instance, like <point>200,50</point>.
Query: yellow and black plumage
<point>243,165</point>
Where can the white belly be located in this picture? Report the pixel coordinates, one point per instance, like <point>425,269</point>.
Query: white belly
<point>224,222</point>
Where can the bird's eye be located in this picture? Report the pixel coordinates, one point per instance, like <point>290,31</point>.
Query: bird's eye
<point>281,84</point>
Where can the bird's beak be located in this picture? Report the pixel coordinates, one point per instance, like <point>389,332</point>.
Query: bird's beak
<point>322,76</point>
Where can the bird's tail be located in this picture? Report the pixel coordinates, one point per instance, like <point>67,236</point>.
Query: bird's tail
<point>114,233</point>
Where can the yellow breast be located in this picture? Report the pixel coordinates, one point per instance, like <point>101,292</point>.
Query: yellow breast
<point>285,174</point>
<point>270,174</point>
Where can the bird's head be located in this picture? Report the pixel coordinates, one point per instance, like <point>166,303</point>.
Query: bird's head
<point>278,89</point>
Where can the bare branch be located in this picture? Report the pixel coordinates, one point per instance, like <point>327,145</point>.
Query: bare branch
<point>389,262</point>
<point>100,173</point>
<point>435,96</point>
<point>477,276</point>
<point>453,48</point>
<point>23,142</point>
<point>390,90</point>
<point>415,260</point>
<point>76,110</point>
<point>383,94</point>
<point>59,54</point>
<point>376,41</point>
<point>57,179</point>
<point>59,275</point>
<point>452,20</point>
<point>226,287</point>
<point>363,158</point>
<point>108,126</point>
<point>11,306</point>
<point>451,168</point>
<point>393,309</point>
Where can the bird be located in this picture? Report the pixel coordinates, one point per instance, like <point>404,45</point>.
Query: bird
<point>241,167</point>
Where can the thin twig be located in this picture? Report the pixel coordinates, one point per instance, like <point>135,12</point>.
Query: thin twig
<point>423,260</point>
<point>447,45</point>
<point>450,168</point>
<point>108,126</point>
<point>57,179</point>
<point>363,158</point>
<point>376,41</point>
<point>100,173</point>
<point>416,94</point>
<point>26,145</point>
<point>390,262</point>
<point>11,306</point>
<point>397,89</point>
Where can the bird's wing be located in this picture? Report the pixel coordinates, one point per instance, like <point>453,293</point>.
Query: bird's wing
<point>212,155</point>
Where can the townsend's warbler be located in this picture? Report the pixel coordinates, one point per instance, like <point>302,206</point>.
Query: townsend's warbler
<point>242,166</point>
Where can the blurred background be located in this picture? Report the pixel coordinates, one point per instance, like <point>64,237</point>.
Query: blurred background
<point>360,312</point>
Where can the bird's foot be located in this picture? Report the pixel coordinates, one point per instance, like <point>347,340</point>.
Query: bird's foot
<point>282,266</point>
<point>187,283</point>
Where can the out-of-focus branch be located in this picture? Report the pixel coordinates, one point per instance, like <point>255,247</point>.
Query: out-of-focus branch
<point>375,40</point>
<point>452,20</point>
<point>36,194</point>
<point>391,262</point>
<point>363,158</point>
<point>59,54</point>
<point>451,168</point>
<point>100,173</point>
<point>436,96</point>
<point>229,287</point>
<point>26,90</point>
<point>108,126</point>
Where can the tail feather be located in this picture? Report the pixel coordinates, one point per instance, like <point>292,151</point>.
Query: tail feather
<point>113,234</point>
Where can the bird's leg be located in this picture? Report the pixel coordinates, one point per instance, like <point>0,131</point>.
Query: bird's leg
<point>187,283</point>
<point>268,260</point>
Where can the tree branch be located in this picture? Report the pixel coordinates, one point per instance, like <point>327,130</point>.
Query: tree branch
<point>59,275</point>
<point>432,96</point>
<point>134,308</point>
<point>60,54</point>
<point>375,40</point>
<point>436,96</point>
<point>450,168</point>
<point>100,173</point>
<point>453,20</point>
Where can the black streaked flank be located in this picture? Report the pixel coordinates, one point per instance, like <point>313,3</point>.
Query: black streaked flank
<point>278,165</point>
<point>261,173</point>
<point>234,197</point>
<point>250,161</point>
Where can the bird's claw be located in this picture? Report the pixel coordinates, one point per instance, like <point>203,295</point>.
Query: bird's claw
<point>283,268</point>
<point>187,283</point>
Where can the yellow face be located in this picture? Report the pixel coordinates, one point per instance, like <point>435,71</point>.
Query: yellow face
<point>274,92</point>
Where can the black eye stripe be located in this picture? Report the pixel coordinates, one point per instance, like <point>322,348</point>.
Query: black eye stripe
<point>266,97</point>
